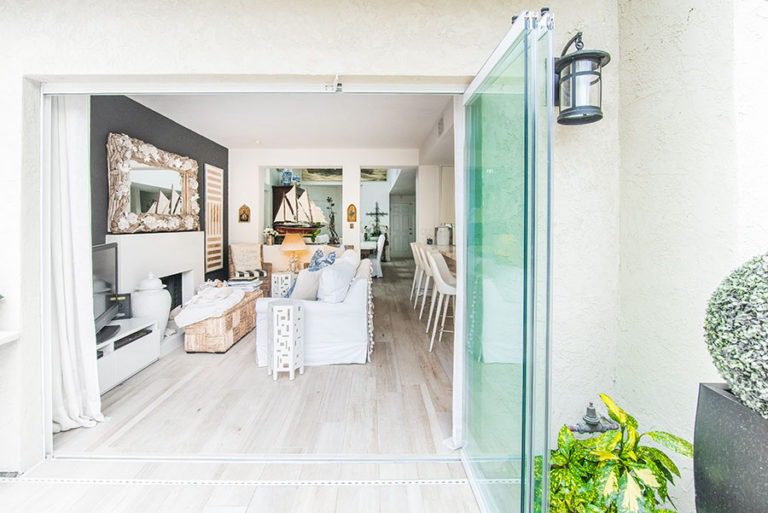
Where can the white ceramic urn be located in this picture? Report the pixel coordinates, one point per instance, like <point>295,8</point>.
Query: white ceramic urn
<point>150,299</point>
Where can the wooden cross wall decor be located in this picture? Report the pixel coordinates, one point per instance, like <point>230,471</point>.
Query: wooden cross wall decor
<point>377,214</point>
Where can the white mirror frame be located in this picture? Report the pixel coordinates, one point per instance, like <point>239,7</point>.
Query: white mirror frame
<point>122,151</point>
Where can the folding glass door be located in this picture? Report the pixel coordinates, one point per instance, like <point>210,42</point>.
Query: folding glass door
<point>508,128</point>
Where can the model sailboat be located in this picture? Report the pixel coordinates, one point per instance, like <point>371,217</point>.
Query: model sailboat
<point>298,214</point>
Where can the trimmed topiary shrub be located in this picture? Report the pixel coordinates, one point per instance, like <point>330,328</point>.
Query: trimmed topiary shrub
<point>736,329</point>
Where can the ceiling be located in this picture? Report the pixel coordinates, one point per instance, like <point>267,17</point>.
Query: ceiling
<point>305,120</point>
<point>405,183</point>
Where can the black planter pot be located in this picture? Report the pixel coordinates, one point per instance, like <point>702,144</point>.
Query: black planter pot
<point>730,454</point>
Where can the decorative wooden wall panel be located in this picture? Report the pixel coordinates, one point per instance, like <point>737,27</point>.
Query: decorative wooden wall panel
<point>214,218</point>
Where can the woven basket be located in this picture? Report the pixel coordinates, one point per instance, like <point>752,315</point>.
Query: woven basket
<point>218,334</point>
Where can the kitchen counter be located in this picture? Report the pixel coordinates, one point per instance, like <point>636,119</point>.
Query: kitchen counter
<point>448,252</point>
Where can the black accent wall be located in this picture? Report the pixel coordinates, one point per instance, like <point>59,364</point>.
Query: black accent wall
<point>120,114</point>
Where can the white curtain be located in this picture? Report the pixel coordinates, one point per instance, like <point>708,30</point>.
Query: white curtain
<point>76,398</point>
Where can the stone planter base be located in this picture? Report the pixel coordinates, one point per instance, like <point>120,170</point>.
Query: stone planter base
<point>730,454</point>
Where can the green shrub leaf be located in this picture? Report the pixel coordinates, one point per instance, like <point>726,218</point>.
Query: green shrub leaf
<point>609,440</point>
<point>605,455</point>
<point>660,478</point>
<point>612,472</point>
<point>607,481</point>
<point>631,499</point>
<point>662,460</point>
<point>645,476</point>
<point>565,438</point>
<point>614,411</point>
<point>672,442</point>
<point>630,444</point>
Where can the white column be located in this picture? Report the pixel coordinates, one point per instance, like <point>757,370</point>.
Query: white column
<point>427,202</point>
<point>350,232</point>
<point>447,195</point>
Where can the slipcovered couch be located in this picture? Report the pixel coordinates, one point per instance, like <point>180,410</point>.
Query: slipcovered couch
<point>334,332</point>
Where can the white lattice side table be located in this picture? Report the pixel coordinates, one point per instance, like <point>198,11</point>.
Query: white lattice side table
<point>285,346</point>
<point>281,284</point>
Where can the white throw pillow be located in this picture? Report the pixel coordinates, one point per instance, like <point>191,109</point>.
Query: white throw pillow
<point>307,283</point>
<point>335,281</point>
<point>350,255</point>
<point>363,269</point>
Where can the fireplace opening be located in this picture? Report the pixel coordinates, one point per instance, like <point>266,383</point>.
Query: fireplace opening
<point>173,284</point>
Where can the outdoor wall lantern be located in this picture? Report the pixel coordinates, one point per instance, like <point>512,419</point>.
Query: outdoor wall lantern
<point>577,77</point>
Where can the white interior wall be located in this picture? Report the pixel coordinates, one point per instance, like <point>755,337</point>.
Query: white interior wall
<point>437,146</point>
<point>435,202</point>
<point>345,37</point>
<point>245,181</point>
<point>370,194</point>
<point>447,202</point>
<point>427,202</point>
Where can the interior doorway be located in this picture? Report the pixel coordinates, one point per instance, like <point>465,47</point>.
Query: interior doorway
<point>175,405</point>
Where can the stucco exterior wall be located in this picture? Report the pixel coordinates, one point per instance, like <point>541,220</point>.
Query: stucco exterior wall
<point>751,46</point>
<point>691,176</point>
<point>585,228</point>
<point>214,38</point>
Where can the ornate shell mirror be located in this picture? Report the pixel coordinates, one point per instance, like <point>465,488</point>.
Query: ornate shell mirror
<point>150,190</point>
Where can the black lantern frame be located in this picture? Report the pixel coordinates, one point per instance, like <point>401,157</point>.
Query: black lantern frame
<point>573,73</point>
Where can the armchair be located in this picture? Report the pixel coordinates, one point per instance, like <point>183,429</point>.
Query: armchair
<point>244,258</point>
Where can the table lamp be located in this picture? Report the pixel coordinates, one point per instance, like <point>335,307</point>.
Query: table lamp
<point>293,244</point>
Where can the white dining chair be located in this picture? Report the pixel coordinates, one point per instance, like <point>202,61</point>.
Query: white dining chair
<point>376,270</point>
<point>449,278</point>
<point>445,293</point>
<point>418,271</point>
<point>423,268</point>
<point>423,249</point>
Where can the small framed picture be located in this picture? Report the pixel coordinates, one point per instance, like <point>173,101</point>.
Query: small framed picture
<point>244,214</point>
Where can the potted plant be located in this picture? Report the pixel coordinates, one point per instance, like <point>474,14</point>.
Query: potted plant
<point>613,472</point>
<point>731,433</point>
<point>269,236</point>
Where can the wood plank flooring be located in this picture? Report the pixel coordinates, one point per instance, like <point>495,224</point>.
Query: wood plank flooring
<point>211,404</point>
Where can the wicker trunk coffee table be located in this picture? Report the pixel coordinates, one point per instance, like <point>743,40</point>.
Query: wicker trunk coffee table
<point>218,334</point>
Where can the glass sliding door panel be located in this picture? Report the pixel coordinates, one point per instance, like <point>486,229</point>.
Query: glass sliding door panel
<point>495,338</point>
<point>540,103</point>
<point>506,333</point>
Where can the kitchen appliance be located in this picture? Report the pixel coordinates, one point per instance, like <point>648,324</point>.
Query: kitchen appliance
<point>444,235</point>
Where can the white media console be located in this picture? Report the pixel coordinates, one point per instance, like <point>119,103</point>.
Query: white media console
<point>127,352</point>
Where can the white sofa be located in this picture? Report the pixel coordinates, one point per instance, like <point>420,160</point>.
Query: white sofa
<point>334,333</point>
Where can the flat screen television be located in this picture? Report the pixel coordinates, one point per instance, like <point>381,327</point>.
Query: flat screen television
<point>105,305</point>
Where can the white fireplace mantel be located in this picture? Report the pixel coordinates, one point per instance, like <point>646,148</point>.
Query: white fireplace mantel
<point>163,254</point>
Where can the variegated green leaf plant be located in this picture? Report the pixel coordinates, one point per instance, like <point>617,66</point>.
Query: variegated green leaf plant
<point>613,472</point>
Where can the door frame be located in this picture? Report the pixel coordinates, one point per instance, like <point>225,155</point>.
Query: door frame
<point>50,86</point>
